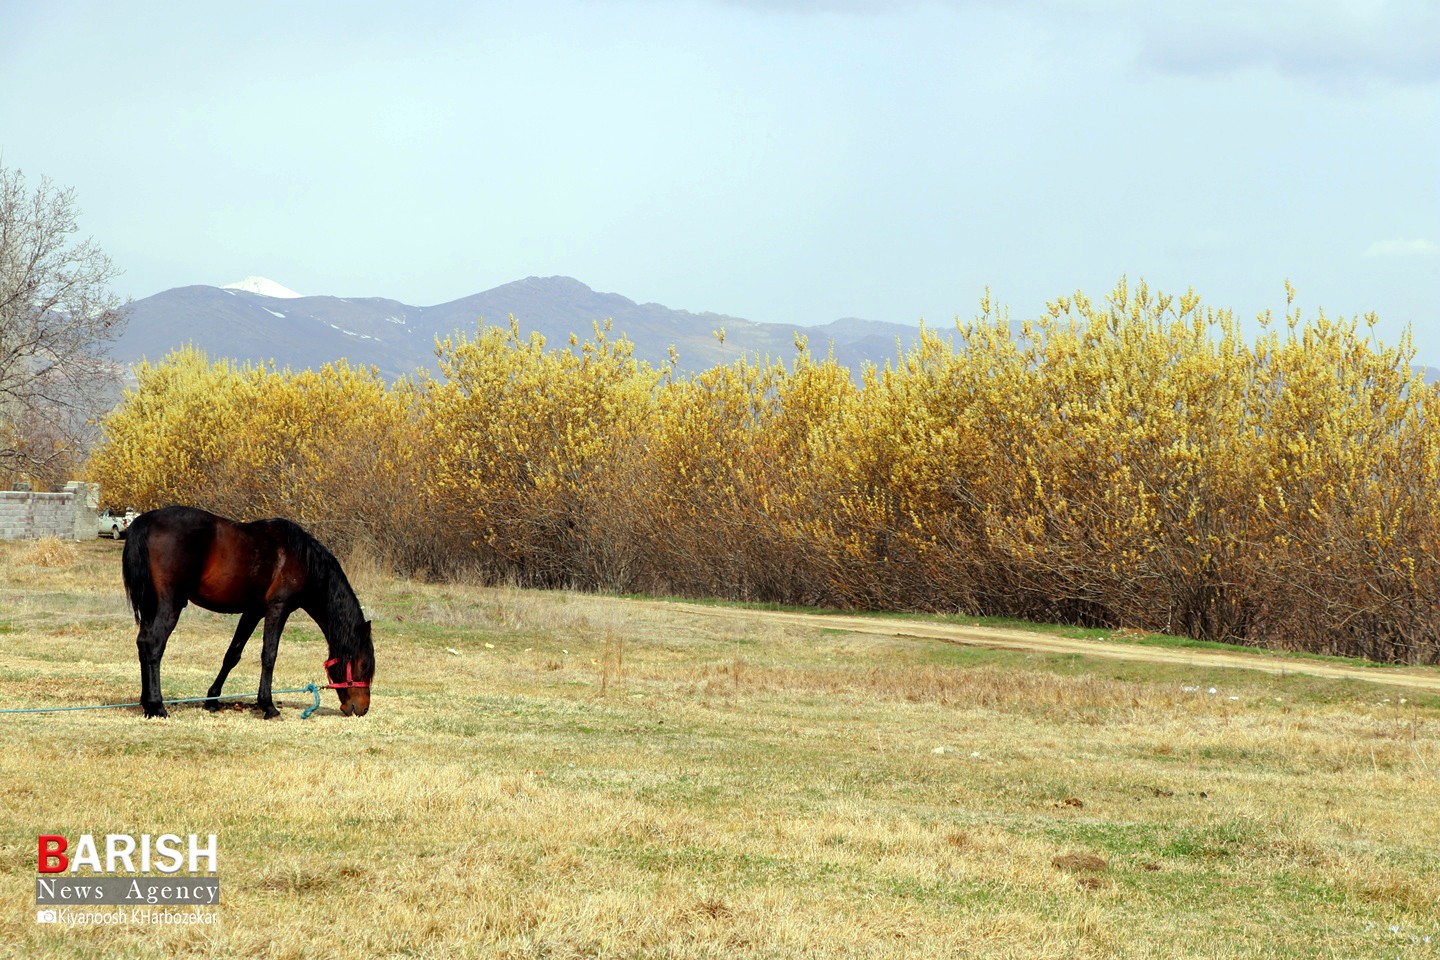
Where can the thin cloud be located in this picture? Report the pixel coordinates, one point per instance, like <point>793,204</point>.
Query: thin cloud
<point>1403,248</point>
<point>1330,42</point>
<point>865,7</point>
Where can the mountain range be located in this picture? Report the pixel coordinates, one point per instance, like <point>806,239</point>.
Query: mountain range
<point>259,320</point>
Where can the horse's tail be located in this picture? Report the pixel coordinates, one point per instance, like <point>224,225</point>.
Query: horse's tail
<point>135,565</point>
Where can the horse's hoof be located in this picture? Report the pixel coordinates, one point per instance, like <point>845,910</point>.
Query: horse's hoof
<point>213,706</point>
<point>159,713</point>
<point>272,714</point>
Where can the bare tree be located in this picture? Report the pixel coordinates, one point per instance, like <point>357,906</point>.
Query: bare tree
<point>57,318</point>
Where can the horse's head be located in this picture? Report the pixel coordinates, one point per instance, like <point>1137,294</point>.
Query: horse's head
<point>351,673</point>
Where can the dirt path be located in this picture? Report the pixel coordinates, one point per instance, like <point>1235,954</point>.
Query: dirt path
<point>1419,678</point>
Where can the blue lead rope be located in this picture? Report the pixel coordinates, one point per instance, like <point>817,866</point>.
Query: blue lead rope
<point>309,688</point>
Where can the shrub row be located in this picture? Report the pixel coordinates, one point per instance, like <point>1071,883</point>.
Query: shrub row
<point>1138,462</point>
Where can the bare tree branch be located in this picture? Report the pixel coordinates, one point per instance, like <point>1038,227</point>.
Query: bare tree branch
<point>57,319</point>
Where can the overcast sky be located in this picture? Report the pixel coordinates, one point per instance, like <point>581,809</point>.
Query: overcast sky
<point>780,160</point>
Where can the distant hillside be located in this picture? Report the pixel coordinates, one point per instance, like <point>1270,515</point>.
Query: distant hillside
<point>300,331</point>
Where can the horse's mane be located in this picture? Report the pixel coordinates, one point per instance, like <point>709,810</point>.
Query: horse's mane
<point>342,607</point>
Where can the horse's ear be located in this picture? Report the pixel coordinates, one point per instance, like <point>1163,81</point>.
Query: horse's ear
<point>366,631</point>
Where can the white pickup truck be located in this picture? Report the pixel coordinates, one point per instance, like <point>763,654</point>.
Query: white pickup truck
<point>113,524</point>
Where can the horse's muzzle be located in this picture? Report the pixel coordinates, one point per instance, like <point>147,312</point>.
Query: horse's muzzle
<point>355,705</point>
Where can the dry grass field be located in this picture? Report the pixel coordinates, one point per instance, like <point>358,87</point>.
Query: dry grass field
<point>557,775</point>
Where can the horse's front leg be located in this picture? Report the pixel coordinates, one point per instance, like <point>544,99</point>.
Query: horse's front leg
<point>275,619</point>
<point>243,631</point>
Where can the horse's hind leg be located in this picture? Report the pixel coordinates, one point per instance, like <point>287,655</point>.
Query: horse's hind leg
<point>151,645</point>
<point>232,656</point>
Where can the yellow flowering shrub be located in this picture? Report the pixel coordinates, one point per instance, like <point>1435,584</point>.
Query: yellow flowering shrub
<point>335,449</point>
<point>1136,461</point>
<point>171,438</point>
<point>521,441</point>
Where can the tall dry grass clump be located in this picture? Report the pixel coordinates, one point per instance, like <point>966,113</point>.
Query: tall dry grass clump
<point>1135,462</point>
<point>47,552</point>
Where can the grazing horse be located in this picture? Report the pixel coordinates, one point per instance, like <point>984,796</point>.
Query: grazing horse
<point>266,569</point>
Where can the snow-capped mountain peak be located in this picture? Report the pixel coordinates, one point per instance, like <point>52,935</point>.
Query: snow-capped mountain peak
<point>264,287</point>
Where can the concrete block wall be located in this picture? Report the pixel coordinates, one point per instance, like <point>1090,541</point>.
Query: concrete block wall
<point>68,515</point>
